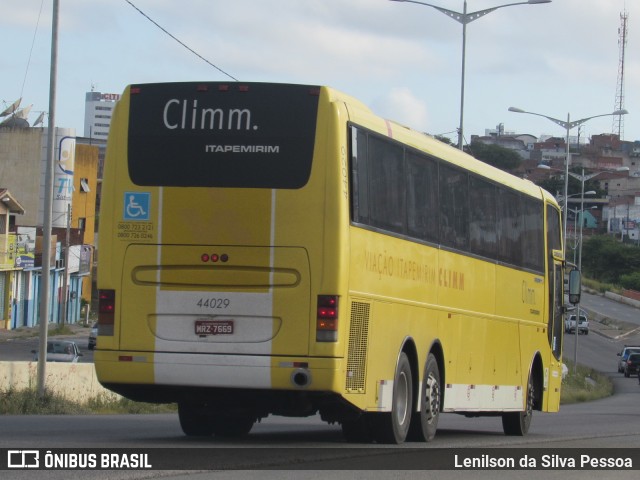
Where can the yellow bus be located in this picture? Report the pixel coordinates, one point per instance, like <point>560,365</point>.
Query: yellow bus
<point>271,249</point>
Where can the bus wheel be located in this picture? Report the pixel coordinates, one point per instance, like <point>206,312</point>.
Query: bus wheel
<point>518,423</point>
<point>232,424</point>
<point>357,431</point>
<point>194,421</point>
<point>393,427</point>
<point>424,425</point>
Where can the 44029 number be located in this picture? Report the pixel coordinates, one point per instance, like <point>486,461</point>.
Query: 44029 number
<point>214,303</point>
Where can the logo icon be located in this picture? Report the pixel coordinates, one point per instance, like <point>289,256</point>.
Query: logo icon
<point>23,459</point>
<point>136,205</point>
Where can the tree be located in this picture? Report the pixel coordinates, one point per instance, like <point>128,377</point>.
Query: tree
<point>607,260</point>
<point>631,281</point>
<point>500,157</point>
<point>443,139</point>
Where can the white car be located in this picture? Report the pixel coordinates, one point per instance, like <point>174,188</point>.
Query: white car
<point>60,351</point>
<point>583,324</point>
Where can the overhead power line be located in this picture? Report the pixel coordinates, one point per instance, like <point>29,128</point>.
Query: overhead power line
<point>180,42</point>
<point>24,81</point>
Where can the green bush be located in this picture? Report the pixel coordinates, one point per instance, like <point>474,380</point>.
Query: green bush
<point>607,260</point>
<point>630,281</point>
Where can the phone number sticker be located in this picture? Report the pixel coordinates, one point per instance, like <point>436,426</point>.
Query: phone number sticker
<point>134,231</point>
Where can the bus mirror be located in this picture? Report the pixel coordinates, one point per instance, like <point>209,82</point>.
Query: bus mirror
<point>575,286</point>
<point>558,255</point>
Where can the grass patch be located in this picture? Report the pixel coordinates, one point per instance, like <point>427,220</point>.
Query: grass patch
<point>600,287</point>
<point>60,330</point>
<point>105,404</point>
<point>584,385</point>
<point>28,402</point>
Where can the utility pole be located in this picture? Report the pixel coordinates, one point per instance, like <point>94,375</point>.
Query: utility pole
<point>48,206</point>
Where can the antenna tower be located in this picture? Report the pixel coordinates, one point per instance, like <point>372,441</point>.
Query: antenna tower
<point>618,120</point>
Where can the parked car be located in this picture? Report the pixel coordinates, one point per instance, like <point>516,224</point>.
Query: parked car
<point>60,351</point>
<point>624,354</point>
<point>632,365</point>
<point>93,335</point>
<point>583,324</point>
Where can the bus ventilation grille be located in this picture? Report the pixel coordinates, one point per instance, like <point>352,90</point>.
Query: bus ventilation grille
<point>358,340</point>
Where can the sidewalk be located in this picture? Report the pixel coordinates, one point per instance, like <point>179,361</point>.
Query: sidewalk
<point>74,330</point>
<point>612,329</point>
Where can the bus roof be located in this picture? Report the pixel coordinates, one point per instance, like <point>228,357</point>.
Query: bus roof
<point>362,114</point>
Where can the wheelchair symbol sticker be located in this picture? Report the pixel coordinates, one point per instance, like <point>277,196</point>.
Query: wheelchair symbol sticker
<point>136,206</point>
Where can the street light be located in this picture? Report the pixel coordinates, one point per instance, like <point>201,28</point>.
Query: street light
<point>568,125</point>
<point>464,18</point>
<point>582,179</point>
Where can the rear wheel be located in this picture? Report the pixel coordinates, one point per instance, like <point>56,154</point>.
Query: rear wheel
<point>425,424</point>
<point>518,423</point>
<point>393,427</point>
<point>195,422</point>
<point>232,424</point>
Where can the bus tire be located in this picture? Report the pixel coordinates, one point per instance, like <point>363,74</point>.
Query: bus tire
<point>393,427</point>
<point>232,424</point>
<point>518,423</point>
<point>425,423</point>
<point>194,422</point>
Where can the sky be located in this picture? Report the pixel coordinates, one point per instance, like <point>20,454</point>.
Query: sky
<point>401,59</point>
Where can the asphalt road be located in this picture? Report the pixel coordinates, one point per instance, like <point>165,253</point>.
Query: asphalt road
<point>606,308</point>
<point>610,423</point>
<point>19,349</point>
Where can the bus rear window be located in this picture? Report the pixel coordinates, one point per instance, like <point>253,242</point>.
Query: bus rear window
<point>222,135</point>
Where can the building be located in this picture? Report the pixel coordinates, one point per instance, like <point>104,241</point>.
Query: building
<point>10,255</point>
<point>98,109</point>
<point>23,162</point>
<point>622,217</point>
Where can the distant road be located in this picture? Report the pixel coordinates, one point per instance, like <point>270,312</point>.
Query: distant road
<point>19,349</point>
<point>610,308</point>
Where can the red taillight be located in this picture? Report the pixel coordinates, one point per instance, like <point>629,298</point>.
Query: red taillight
<point>327,318</point>
<point>214,257</point>
<point>106,311</point>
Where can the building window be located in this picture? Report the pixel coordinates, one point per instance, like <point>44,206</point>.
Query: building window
<point>84,185</point>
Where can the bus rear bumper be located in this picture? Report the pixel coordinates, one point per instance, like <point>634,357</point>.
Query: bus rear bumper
<point>220,371</point>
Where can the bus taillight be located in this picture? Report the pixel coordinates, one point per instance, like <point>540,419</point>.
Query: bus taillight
<point>327,321</point>
<point>106,310</point>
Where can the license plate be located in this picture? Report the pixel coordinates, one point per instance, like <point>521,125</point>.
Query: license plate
<point>214,327</point>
